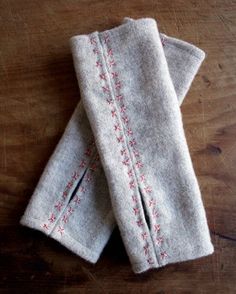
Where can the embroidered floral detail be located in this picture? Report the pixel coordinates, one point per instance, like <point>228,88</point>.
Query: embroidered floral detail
<point>140,223</point>
<point>60,230</point>
<point>45,226</point>
<point>136,210</point>
<point>139,164</point>
<point>150,261</point>
<point>132,142</point>
<point>129,132</point>
<point>52,218</point>
<point>113,113</point>
<point>58,206</point>
<point>164,254</point>
<point>134,198</point>
<point>117,127</point>
<point>126,161</point>
<point>75,176</point>
<point>159,241</point>
<point>122,110</point>
<point>98,64</point>
<point>142,178</point>
<point>93,41</point>
<point>109,52</point>
<point>130,173</point>
<point>110,101</point>
<point>118,85</point>
<point>123,152</point>
<point>152,202</point>
<point>103,76</point>
<point>114,75</point>
<point>112,62</point>
<point>155,213</point>
<point>105,89</point>
<point>82,189</point>
<point>82,163</point>
<point>148,189</point>
<point>125,119</point>
<point>95,51</point>
<point>119,97</point>
<point>93,167</point>
<point>157,228</point>
<point>132,185</point>
<point>77,199</point>
<point>65,218</point>
<point>144,235</point>
<point>70,210</point>
<point>120,139</point>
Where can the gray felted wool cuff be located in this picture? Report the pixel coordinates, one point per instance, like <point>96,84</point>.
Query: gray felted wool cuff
<point>72,152</point>
<point>132,107</point>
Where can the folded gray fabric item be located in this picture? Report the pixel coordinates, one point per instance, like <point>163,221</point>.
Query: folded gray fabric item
<point>132,107</point>
<point>56,195</point>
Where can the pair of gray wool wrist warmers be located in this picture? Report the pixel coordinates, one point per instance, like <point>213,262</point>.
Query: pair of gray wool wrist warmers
<point>123,158</point>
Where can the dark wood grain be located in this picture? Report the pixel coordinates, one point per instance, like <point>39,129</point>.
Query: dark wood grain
<point>38,94</point>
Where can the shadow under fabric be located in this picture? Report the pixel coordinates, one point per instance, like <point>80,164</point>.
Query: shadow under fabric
<point>131,84</point>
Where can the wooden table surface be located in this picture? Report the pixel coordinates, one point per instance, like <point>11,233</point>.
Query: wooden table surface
<point>38,95</point>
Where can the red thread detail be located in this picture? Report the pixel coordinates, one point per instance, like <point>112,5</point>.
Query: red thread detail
<point>150,261</point>
<point>93,167</point>
<point>98,64</point>
<point>139,164</point>
<point>130,173</point>
<point>70,210</point>
<point>82,189</point>
<point>118,85</point>
<point>125,119</point>
<point>60,230</point>
<point>136,153</point>
<point>119,97</point>
<point>93,41</point>
<point>123,109</point>
<point>117,127</point>
<point>129,132</point>
<point>142,178</point>
<point>126,161</point>
<point>123,152</point>
<point>95,51</point>
<point>164,255</point>
<point>113,113</point>
<point>159,241</point>
<point>110,52</point>
<point>110,101</point>
<point>106,39</point>
<point>139,223</point>
<point>45,226</point>
<point>52,218</point>
<point>120,139</point>
<point>132,185</point>
<point>144,235</point>
<point>58,206</point>
<point>65,218</point>
<point>103,76</point>
<point>134,198</point>
<point>132,142</point>
<point>114,75</point>
<point>75,176</point>
<point>88,152</point>
<point>155,213</point>
<point>148,189</point>
<point>112,62</point>
<point>136,210</point>
<point>82,163</point>
<point>77,199</point>
<point>152,202</point>
<point>106,89</point>
<point>157,228</point>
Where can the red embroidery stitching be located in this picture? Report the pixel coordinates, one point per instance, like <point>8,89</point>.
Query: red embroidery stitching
<point>163,254</point>
<point>60,230</point>
<point>52,218</point>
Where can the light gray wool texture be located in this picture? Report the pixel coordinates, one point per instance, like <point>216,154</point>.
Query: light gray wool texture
<point>132,80</point>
